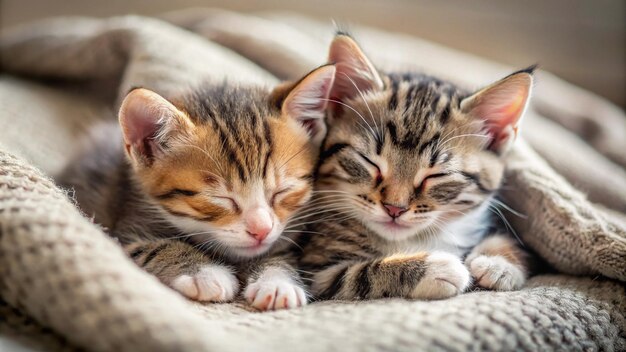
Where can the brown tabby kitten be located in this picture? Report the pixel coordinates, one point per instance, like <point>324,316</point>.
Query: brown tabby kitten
<point>407,177</point>
<point>198,188</point>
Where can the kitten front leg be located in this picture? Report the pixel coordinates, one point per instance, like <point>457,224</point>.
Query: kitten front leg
<point>423,275</point>
<point>497,263</point>
<point>186,269</point>
<point>273,285</point>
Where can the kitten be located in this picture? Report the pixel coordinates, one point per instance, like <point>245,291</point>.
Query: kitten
<point>407,174</point>
<point>199,187</point>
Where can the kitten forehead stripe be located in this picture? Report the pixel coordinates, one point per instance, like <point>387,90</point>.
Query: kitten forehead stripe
<point>430,143</point>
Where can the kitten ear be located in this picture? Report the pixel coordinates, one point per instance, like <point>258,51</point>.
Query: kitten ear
<point>147,120</point>
<point>355,72</point>
<point>308,100</point>
<point>502,105</point>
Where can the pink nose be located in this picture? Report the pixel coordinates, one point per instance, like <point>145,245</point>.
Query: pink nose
<point>259,223</point>
<point>394,211</point>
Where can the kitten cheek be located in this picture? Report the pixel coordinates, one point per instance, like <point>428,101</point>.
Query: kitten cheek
<point>283,214</point>
<point>294,200</point>
<point>225,220</point>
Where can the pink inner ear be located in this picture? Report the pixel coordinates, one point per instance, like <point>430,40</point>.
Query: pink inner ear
<point>350,81</point>
<point>307,102</point>
<point>141,117</point>
<point>500,114</point>
<point>502,107</point>
<point>354,71</point>
<point>142,124</point>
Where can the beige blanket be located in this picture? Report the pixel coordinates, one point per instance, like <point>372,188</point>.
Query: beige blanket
<point>64,285</point>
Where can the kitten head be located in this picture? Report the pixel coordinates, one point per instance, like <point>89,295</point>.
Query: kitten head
<point>408,153</point>
<point>224,164</point>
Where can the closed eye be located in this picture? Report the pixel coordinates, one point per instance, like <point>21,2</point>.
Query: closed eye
<point>232,202</point>
<point>420,187</point>
<point>379,175</point>
<point>368,160</point>
<point>441,174</point>
<point>277,193</point>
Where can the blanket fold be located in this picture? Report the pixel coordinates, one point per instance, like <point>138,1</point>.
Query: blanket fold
<point>64,272</point>
<point>121,53</point>
<point>559,223</point>
<point>60,270</point>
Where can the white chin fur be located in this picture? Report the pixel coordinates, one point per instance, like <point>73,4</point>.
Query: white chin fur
<point>248,252</point>
<point>396,234</point>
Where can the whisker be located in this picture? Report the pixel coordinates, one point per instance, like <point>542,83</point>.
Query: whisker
<point>464,135</point>
<point>356,112</point>
<point>456,129</point>
<point>282,154</point>
<point>324,202</point>
<point>318,211</point>
<point>307,231</point>
<point>329,191</point>
<point>213,174</point>
<point>293,226</point>
<point>293,156</point>
<point>502,204</point>
<point>320,197</point>
<point>366,104</point>
<point>290,241</point>
<point>342,200</point>
<point>304,271</point>
<point>497,211</point>
<point>206,153</point>
<point>186,235</point>
<point>319,217</point>
<point>333,211</point>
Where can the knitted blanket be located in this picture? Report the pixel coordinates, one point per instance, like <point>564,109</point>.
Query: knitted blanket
<point>65,285</point>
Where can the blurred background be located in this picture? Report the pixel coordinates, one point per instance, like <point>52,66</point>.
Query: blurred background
<point>582,41</point>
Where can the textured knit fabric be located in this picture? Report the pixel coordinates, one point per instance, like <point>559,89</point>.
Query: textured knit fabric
<point>64,285</point>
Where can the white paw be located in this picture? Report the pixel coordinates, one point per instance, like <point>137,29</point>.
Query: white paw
<point>212,283</point>
<point>274,290</point>
<point>496,273</point>
<point>445,276</point>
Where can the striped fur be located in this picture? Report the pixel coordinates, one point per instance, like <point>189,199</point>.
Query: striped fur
<point>198,167</point>
<point>413,144</point>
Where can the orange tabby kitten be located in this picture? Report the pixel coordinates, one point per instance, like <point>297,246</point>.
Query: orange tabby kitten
<point>198,187</point>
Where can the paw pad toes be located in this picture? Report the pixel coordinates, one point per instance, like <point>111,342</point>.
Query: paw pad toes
<point>210,284</point>
<point>275,294</point>
<point>445,277</point>
<point>496,273</point>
